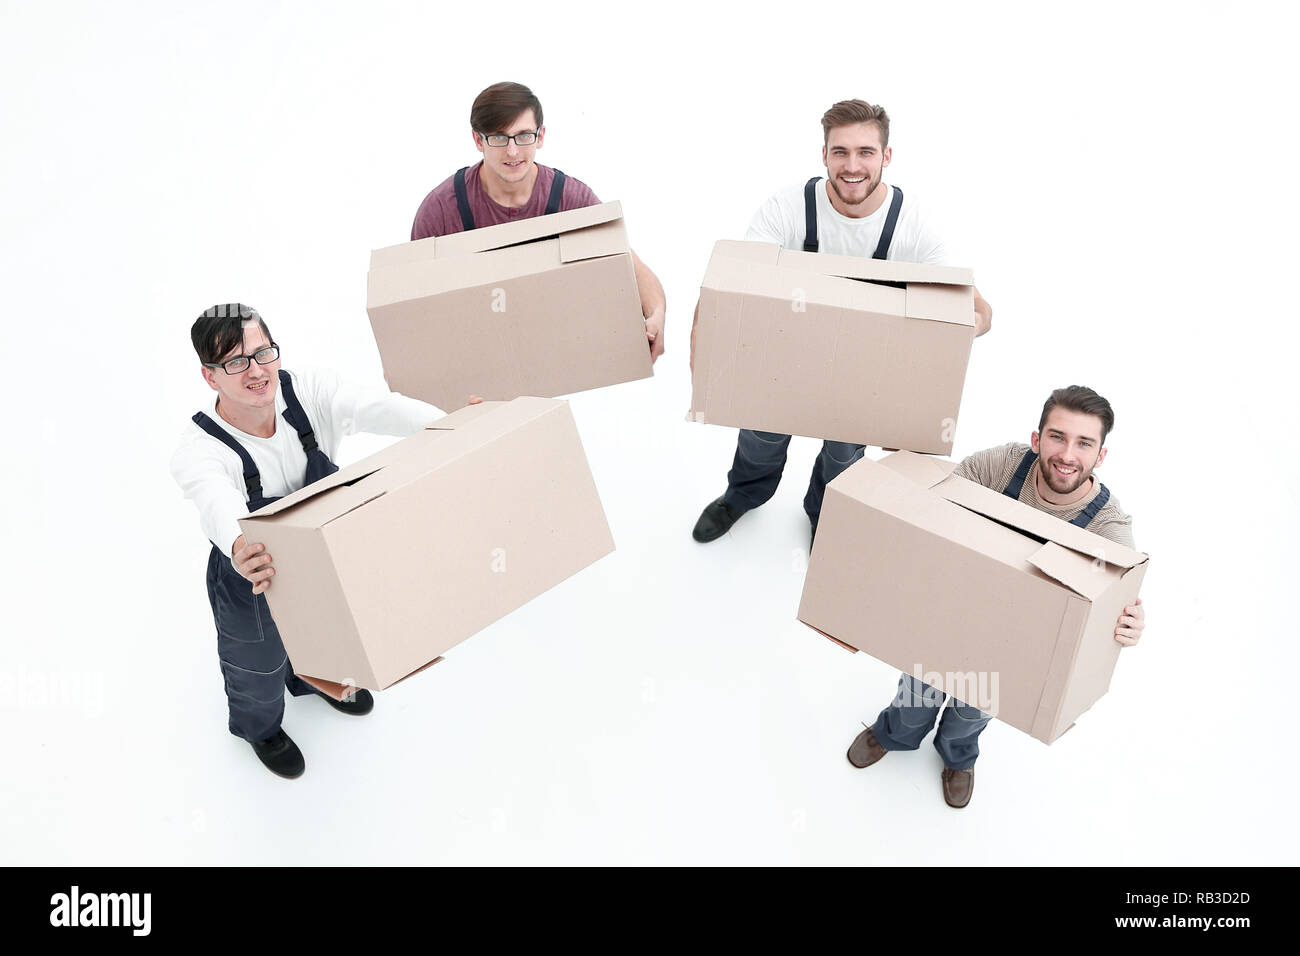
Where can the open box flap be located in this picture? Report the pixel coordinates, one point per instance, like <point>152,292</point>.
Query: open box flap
<point>365,480</point>
<point>878,270</point>
<point>925,470</point>
<point>594,242</point>
<point>494,237</point>
<point>404,253</point>
<point>1039,524</point>
<point>747,277</point>
<point>936,474</point>
<point>932,293</point>
<point>352,476</point>
<point>764,253</point>
<point>1087,576</point>
<point>848,267</point>
<point>526,230</point>
<point>429,277</point>
<point>505,415</point>
<point>954,304</point>
<point>441,443</point>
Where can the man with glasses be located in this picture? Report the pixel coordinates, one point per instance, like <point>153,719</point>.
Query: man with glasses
<point>508,185</point>
<point>265,434</point>
<point>853,213</point>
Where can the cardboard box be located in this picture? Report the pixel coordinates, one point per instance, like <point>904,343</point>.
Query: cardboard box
<point>544,306</point>
<point>386,564</point>
<point>804,343</point>
<point>971,591</point>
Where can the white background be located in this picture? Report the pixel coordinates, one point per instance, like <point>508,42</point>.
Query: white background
<point>1120,176</point>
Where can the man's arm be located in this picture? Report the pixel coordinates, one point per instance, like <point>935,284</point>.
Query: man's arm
<point>983,315</point>
<point>982,467</point>
<point>428,218</point>
<point>769,224</point>
<point>214,485</point>
<point>653,306</point>
<point>349,407</point>
<point>217,492</point>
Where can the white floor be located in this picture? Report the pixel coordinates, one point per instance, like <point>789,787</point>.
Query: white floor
<point>663,706</point>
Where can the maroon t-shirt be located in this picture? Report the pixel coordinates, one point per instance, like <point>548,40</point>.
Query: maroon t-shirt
<point>438,215</point>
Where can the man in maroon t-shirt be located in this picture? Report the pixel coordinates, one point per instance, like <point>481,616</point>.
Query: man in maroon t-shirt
<point>509,185</point>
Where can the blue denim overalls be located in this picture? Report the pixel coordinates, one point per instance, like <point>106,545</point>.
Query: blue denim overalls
<point>254,662</point>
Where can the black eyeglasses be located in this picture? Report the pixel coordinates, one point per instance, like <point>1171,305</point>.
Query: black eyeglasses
<point>263,356</point>
<point>527,138</point>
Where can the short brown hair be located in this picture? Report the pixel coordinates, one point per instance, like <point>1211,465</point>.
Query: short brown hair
<point>849,112</point>
<point>1081,399</point>
<point>496,107</point>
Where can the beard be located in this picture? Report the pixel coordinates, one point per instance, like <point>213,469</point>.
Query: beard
<point>872,186</point>
<point>1062,486</point>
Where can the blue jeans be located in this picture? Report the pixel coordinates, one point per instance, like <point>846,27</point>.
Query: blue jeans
<point>904,723</point>
<point>760,459</point>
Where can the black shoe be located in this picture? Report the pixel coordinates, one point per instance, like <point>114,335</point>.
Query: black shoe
<point>362,703</point>
<point>280,755</point>
<point>716,520</point>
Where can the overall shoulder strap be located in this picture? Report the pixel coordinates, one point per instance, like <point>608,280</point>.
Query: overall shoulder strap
<point>891,220</point>
<point>294,414</point>
<point>1084,517</point>
<point>462,200</point>
<point>557,194</point>
<point>1017,483</point>
<point>810,243</point>
<point>252,478</point>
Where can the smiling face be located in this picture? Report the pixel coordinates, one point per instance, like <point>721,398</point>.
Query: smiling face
<point>253,389</point>
<point>511,163</point>
<point>1069,448</point>
<point>855,162</point>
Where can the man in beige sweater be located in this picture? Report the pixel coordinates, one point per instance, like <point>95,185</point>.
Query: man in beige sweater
<point>1053,473</point>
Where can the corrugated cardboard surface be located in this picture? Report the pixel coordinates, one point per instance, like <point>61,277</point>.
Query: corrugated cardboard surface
<point>544,306</point>
<point>922,582</point>
<point>799,343</point>
<point>384,566</point>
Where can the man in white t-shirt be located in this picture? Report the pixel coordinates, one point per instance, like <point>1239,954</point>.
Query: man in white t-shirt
<point>853,212</point>
<point>265,434</point>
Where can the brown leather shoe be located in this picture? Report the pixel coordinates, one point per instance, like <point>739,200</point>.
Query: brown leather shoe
<point>865,749</point>
<point>958,785</point>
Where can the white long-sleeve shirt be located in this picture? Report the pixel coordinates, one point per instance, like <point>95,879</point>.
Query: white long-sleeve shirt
<point>212,476</point>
